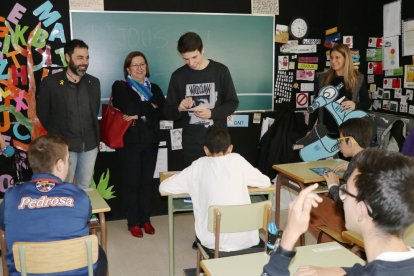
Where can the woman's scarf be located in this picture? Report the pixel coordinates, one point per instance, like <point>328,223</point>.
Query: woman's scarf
<point>143,90</point>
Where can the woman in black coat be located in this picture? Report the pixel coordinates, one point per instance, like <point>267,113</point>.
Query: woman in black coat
<point>140,101</point>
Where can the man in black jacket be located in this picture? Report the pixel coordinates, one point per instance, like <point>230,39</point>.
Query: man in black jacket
<point>68,105</point>
<point>378,202</point>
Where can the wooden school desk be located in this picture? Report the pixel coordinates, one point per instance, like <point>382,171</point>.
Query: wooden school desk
<point>357,239</point>
<point>330,254</point>
<point>176,204</point>
<point>300,174</point>
<point>99,207</point>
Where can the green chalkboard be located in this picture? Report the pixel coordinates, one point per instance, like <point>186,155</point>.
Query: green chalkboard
<point>242,42</point>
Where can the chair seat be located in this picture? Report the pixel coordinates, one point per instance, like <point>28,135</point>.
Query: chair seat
<point>253,249</point>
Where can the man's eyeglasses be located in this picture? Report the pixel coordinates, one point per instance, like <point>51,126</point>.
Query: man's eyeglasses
<point>343,138</point>
<point>140,66</point>
<point>343,193</point>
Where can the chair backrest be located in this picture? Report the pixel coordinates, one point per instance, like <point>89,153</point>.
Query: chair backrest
<point>239,218</point>
<point>3,253</point>
<point>409,235</point>
<point>56,256</point>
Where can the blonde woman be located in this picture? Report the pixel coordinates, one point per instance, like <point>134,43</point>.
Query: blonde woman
<point>354,91</point>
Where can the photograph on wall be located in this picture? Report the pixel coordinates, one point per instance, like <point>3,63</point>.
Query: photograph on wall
<point>176,138</point>
<point>282,34</point>
<point>283,63</point>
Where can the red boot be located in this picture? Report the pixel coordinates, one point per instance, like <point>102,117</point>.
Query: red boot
<point>148,228</point>
<point>136,231</point>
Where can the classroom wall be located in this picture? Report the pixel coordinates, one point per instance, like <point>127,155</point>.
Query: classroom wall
<point>358,18</point>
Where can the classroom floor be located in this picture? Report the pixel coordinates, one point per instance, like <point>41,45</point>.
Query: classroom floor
<point>149,255</point>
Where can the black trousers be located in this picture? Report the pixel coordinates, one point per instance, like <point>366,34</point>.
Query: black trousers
<point>193,143</point>
<point>101,268</point>
<point>137,163</point>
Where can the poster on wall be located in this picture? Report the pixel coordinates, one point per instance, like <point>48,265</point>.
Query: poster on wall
<point>391,53</point>
<point>265,7</point>
<point>409,76</point>
<point>392,19</point>
<point>87,5</point>
<point>283,87</point>
<point>375,68</point>
<point>408,37</point>
<point>374,54</point>
<point>32,36</point>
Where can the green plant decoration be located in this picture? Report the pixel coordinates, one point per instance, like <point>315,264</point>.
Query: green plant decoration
<point>102,187</point>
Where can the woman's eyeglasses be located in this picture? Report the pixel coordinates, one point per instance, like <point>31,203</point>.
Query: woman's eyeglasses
<point>140,66</point>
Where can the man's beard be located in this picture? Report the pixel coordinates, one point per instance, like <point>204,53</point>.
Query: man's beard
<point>75,69</point>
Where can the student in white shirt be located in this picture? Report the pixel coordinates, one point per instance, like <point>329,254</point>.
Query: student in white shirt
<point>220,178</point>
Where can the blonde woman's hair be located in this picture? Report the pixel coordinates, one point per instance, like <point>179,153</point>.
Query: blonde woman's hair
<point>350,73</point>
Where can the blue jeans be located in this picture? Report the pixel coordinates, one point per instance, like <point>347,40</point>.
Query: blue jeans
<point>81,165</point>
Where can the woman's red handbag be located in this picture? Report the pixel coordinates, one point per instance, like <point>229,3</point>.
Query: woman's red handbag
<point>112,126</point>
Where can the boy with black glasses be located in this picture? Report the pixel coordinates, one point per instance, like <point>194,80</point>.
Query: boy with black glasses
<point>379,205</point>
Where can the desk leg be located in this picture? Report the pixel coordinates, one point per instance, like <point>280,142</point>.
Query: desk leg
<point>270,198</point>
<point>102,221</point>
<point>281,180</point>
<point>171,236</point>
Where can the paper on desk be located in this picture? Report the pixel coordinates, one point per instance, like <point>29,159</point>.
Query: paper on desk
<point>327,248</point>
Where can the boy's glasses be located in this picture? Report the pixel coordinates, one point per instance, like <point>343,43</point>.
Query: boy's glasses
<point>343,193</point>
<point>343,138</point>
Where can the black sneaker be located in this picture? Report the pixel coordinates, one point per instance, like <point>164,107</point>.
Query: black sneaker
<point>194,246</point>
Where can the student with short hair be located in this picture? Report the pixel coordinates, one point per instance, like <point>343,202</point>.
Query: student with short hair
<point>46,208</point>
<point>220,178</point>
<point>355,135</point>
<point>200,93</point>
<point>378,201</point>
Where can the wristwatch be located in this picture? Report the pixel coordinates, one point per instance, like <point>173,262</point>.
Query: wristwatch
<point>280,250</point>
